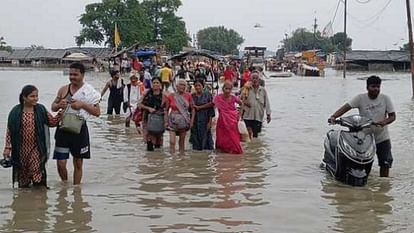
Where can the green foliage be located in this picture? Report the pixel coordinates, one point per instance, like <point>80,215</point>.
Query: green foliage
<point>136,23</point>
<point>302,40</point>
<point>172,28</point>
<point>219,39</point>
<point>4,46</point>
<point>338,41</point>
<point>405,47</point>
<point>174,33</point>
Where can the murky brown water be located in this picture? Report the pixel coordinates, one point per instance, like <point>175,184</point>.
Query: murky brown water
<point>277,186</point>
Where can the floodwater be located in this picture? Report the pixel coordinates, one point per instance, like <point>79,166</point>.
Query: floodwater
<point>276,186</point>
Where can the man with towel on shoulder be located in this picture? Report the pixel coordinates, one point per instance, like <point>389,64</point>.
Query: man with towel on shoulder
<point>80,98</point>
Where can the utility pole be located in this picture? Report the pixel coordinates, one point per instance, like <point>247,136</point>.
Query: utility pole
<point>315,26</point>
<point>345,35</point>
<point>410,43</point>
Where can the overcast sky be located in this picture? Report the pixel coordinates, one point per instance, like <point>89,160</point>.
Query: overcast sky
<point>54,23</point>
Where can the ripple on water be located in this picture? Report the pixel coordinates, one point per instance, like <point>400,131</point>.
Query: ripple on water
<point>276,186</point>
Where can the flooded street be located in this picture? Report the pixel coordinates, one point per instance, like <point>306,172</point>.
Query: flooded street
<point>276,186</point>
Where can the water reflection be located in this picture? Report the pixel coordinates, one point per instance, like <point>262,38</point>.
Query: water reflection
<point>30,211</point>
<point>130,190</point>
<point>72,213</point>
<point>203,180</point>
<point>359,209</point>
<point>209,181</point>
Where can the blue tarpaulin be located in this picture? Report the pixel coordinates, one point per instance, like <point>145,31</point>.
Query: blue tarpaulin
<point>145,53</point>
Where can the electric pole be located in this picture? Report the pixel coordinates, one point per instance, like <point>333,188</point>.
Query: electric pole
<point>315,26</point>
<point>345,36</point>
<point>410,43</point>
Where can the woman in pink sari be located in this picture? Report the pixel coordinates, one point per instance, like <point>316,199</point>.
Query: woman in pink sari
<point>227,132</point>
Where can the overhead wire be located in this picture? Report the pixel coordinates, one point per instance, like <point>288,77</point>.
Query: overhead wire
<point>336,11</point>
<point>372,19</point>
<point>363,2</point>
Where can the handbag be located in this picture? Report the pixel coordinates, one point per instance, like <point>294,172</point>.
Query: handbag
<point>155,124</point>
<point>178,122</point>
<point>182,120</point>
<point>71,122</point>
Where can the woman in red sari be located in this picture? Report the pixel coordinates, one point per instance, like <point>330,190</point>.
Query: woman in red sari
<point>227,132</point>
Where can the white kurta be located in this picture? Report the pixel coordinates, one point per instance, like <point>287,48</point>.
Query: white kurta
<point>133,99</point>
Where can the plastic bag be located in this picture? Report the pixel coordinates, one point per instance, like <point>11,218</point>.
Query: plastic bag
<point>244,133</point>
<point>242,128</point>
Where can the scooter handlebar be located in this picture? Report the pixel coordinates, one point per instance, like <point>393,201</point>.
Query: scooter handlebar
<point>336,121</point>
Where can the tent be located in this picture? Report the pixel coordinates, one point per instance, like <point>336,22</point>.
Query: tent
<point>77,57</point>
<point>145,53</point>
<point>183,55</point>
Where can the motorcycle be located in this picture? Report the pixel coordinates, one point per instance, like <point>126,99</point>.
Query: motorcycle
<point>349,154</point>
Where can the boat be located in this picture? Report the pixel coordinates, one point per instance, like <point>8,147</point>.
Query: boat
<point>308,70</point>
<point>312,64</point>
<point>282,74</point>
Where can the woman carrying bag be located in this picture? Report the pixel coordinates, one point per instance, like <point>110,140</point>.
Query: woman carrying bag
<point>153,104</point>
<point>181,116</point>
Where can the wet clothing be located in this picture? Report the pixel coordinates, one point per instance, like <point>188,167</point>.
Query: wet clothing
<point>255,126</point>
<point>132,95</point>
<point>375,109</point>
<point>259,103</point>
<point>179,118</point>
<point>153,101</point>
<point>76,144</point>
<point>173,104</point>
<point>384,154</point>
<point>116,91</point>
<point>28,138</point>
<point>201,137</point>
<point>227,132</point>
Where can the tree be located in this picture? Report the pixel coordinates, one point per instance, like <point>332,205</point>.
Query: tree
<point>171,27</point>
<point>219,39</point>
<point>98,23</point>
<point>405,47</point>
<point>4,46</point>
<point>302,40</point>
<point>338,41</point>
<point>135,21</point>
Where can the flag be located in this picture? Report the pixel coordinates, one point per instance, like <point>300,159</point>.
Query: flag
<point>117,37</point>
<point>327,30</point>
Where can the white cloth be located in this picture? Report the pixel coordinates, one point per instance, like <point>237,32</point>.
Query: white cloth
<point>147,75</point>
<point>134,97</point>
<point>119,83</point>
<point>89,95</point>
